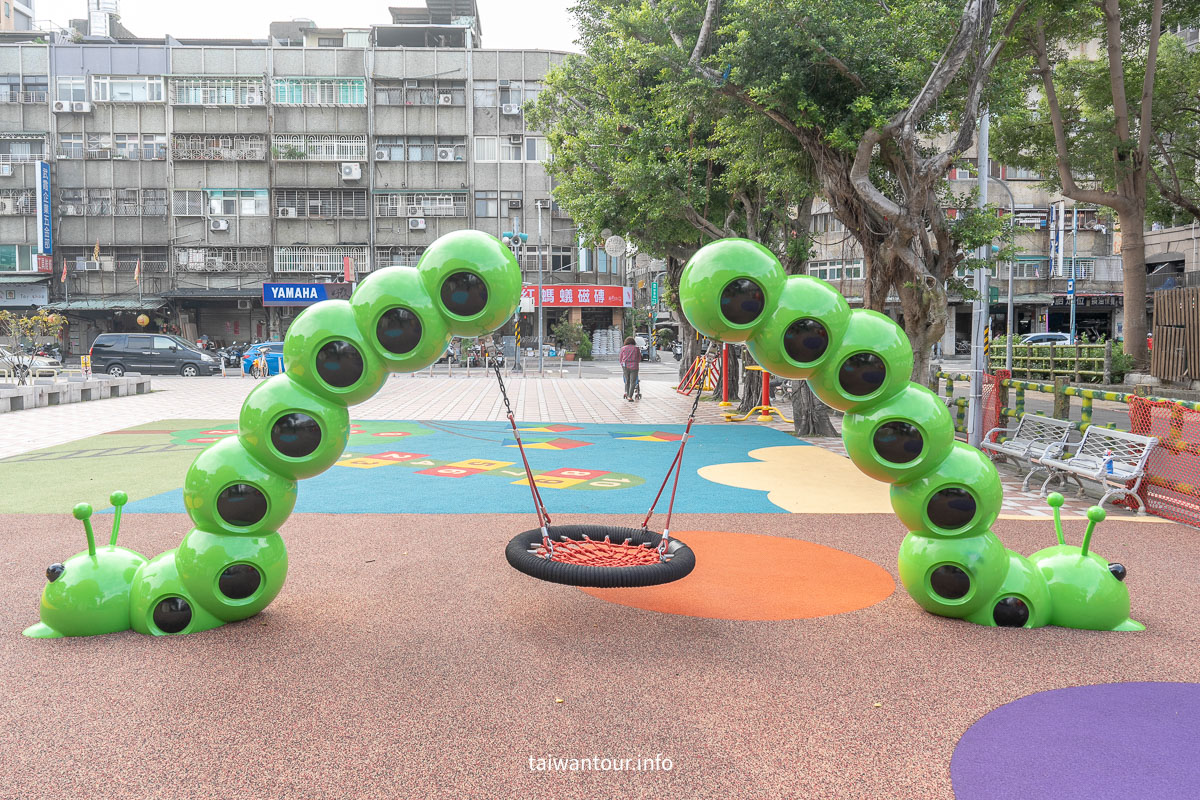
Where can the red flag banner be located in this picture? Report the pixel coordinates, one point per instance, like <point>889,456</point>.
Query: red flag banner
<point>348,268</point>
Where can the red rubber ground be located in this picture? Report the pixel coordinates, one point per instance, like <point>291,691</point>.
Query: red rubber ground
<point>399,663</point>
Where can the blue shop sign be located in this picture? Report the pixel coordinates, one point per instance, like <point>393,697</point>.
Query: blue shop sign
<point>303,294</point>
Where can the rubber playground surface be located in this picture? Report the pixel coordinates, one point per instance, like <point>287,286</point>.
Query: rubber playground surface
<point>404,658</point>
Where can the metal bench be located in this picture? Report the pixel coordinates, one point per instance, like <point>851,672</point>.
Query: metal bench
<point>1027,442</point>
<point>1086,459</point>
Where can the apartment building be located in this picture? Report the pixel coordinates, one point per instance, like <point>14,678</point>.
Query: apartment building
<point>184,175</point>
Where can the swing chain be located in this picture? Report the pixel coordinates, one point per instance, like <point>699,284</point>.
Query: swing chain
<point>540,507</point>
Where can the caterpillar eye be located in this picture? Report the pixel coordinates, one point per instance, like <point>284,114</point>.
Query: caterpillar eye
<point>1117,570</point>
<point>339,364</point>
<point>951,508</point>
<point>464,294</point>
<point>742,301</point>
<point>239,581</point>
<point>1010,612</point>
<point>172,614</point>
<point>296,435</point>
<point>55,571</point>
<point>805,340</point>
<point>398,331</point>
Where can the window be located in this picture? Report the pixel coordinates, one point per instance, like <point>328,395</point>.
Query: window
<point>421,204</point>
<point>70,145</point>
<point>127,145</point>
<point>1084,268</point>
<point>1021,174</point>
<point>510,204</point>
<point>537,148</point>
<point>835,270</point>
<point>23,200</point>
<point>422,93</point>
<point>135,89</point>
<point>99,201</point>
<point>485,204</point>
<point>7,10</point>
<point>328,41</point>
<point>510,151</point>
<point>216,91</point>
<point>318,147</point>
<point>964,170</point>
<point>421,148</point>
<point>320,91</point>
<point>532,90</point>
<point>1029,268</point>
<point>72,89</point>
<point>323,203</point>
<point>510,94</point>
<point>825,223</point>
<point>215,147</point>
<point>237,202</point>
<point>399,256</point>
<point>603,261</point>
<point>20,150</point>
<point>327,260</point>
<point>485,148</point>
<point>484,93</point>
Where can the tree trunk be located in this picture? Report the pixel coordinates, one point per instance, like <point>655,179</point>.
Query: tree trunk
<point>1133,265</point>
<point>810,417</point>
<point>751,384</point>
<point>734,370</point>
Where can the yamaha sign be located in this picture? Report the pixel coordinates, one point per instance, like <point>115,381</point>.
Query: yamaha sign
<point>304,294</point>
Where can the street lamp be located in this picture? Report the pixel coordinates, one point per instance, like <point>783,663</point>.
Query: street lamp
<point>516,241</point>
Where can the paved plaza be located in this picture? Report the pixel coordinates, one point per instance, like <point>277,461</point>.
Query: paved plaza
<point>404,655</point>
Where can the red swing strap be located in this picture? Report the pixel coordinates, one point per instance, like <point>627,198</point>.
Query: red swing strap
<point>539,507</point>
<point>676,467</point>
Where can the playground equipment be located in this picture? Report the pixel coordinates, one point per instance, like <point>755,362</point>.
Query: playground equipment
<point>293,426</point>
<point>945,492</point>
<point>600,555</point>
<point>764,409</point>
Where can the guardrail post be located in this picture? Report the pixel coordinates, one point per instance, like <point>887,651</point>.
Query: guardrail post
<point>1108,362</point>
<point>1062,403</point>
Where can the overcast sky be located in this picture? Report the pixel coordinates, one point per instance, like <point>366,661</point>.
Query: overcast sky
<point>512,24</point>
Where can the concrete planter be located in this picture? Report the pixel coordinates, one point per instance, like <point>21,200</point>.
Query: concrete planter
<point>46,392</point>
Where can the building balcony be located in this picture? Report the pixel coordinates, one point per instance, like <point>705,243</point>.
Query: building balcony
<point>7,96</point>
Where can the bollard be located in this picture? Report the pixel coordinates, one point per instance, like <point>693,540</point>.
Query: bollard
<point>562,358</point>
<point>580,369</point>
<point>1062,403</point>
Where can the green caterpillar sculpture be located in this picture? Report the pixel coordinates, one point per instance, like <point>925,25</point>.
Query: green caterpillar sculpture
<point>945,492</point>
<point>296,425</point>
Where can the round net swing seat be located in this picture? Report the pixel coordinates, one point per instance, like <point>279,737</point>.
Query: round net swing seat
<point>600,556</point>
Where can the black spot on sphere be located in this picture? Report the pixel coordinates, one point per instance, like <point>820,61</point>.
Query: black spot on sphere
<point>950,582</point>
<point>742,301</point>
<point>172,614</point>
<point>339,364</point>
<point>861,374</point>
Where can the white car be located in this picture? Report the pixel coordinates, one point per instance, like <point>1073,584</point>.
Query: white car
<point>10,361</point>
<point>1046,338</point>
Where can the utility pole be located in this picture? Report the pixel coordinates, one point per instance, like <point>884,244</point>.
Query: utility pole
<point>1074,253</point>
<point>981,306</point>
<point>540,319</point>
<point>516,241</point>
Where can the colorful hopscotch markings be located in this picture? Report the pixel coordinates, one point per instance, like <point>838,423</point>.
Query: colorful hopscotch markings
<point>587,479</point>
<point>447,471</point>
<point>656,436</point>
<point>553,429</point>
<point>392,433</point>
<point>205,436</point>
<point>481,464</point>
<point>378,460</point>
<point>548,444</point>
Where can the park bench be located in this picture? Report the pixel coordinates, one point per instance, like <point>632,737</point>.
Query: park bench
<point>1086,459</point>
<point>1027,442</point>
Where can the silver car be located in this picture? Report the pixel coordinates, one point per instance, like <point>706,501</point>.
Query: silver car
<point>1046,338</point>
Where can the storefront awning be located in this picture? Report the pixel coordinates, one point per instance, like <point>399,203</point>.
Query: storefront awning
<point>110,304</point>
<point>23,277</point>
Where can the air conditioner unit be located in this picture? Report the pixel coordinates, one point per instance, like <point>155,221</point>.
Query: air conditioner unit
<point>413,211</point>
<point>6,169</point>
<point>505,83</point>
<point>286,213</point>
<point>218,225</point>
<point>81,108</point>
<point>245,305</point>
<point>7,206</point>
<point>253,99</point>
<point>91,266</point>
<point>445,99</point>
<point>410,84</point>
<point>416,224</point>
<point>445,154</point>
<point>62,106</point>
<point>516,138</point>
<point>383,155</point>
<point>510,109</point>
<point>351,171</point>
<point>514,203</point>
<point>72,211</point>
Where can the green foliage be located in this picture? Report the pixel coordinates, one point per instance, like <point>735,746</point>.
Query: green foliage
<point>666,337</point>
<point>570,335</point>
<point>585,347</point>
<point>26,329</point>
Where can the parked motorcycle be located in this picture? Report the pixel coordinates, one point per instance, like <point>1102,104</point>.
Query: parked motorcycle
<point>677,351</point>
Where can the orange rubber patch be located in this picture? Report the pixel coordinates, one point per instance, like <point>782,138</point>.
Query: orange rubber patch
<point>747,576</point>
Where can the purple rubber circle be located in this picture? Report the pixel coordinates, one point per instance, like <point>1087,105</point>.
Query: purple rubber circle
<point>1114,740</point>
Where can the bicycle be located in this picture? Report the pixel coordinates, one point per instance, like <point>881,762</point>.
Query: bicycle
<point>259,368</point>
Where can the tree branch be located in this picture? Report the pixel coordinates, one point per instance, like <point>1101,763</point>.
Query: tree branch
<point>830,58</point>
<point>711,11</point>
<point>1148,83</point>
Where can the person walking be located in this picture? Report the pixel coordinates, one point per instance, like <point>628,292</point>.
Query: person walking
<point>631,359</point>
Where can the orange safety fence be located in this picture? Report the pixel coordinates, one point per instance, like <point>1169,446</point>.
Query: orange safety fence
<point>1171,488</point>
<point>991,400</point>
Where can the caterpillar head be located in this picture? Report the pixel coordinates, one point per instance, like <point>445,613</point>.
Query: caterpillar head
<point>89,593</point>
<point>1086,590</point>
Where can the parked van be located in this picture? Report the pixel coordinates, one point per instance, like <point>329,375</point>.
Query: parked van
<point>118,353</point>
